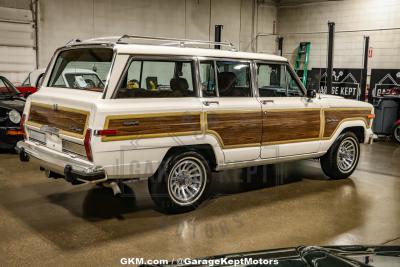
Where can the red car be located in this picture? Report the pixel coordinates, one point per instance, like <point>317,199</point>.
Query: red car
<point>32,82</point>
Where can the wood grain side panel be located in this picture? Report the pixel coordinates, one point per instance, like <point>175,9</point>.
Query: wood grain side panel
<point>144,126</point>
<point>236,129</point>
<point>333,118</point>
<point>290,126</point>
<point>63,119</point>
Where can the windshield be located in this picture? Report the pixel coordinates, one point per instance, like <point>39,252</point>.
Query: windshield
<point>82,68</point>
<point>6,88</point>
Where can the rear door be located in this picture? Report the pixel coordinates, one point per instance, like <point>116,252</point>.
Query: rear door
<point>291,122</point>
<point>59,115</point>
<point>232,112</point>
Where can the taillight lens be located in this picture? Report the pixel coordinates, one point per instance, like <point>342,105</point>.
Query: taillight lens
<point>22,125</point>
<point>86,142</point>
<point>107,132</point>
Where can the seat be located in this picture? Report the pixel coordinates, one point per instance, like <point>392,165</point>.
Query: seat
<point>226,83</point>
<point>180,86</point>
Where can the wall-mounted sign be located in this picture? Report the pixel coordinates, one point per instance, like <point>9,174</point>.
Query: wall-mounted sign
<point>385,82</point>
<point>345,82</point>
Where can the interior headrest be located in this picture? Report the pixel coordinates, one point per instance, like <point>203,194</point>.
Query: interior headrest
<point>179,83</point>
<point>226,80</point>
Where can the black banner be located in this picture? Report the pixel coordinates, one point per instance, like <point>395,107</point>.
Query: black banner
<point>345,82</point>
<point>385,82</point>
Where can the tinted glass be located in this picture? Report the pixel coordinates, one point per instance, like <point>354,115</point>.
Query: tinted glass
<point>82,68</point>
<point>233,79</point>
<point>275,80</point>
<point>207,79</point>
<point>157,78</point>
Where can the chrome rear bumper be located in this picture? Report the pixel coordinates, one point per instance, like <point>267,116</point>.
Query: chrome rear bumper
<point>73,168</point>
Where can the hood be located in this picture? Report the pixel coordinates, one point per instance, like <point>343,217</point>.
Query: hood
<point>329,96</point>
<point>15,103</point>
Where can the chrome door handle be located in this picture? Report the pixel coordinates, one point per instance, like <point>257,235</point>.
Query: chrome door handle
<point>264,102</point>
<point>207,103</point>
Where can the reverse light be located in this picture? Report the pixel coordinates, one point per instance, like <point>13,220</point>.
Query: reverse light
<point>86,142</point>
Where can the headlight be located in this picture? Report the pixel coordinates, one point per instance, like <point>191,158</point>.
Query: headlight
<point>14,116</point>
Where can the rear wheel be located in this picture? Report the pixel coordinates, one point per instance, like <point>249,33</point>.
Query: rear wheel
<point>181,183</point>
<point>342,157</point>
<point>396,133</point>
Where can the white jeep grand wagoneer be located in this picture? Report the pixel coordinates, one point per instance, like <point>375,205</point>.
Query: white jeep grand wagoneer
<point>174,114</point>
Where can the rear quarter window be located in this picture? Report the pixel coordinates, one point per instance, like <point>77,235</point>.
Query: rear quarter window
<point>82,68</point>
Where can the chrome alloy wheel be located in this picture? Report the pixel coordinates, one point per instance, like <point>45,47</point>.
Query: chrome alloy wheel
<point>186,181</point>
<point>396,133</point>
<point>347,155</point>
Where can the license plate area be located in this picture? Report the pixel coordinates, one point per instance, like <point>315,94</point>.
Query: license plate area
<point>53,142</point>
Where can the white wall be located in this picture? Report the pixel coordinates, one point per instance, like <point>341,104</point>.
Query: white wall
<point>17,54</point>
<point>349,15</point>
<point>61,21</point>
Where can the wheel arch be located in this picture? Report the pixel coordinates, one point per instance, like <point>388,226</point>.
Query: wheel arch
<point>206,150</point>
<point>359,131</point>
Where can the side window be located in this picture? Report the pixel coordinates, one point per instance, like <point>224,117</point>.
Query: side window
<point>275,80</point>
<point>234,79</point>
<point>157,78</point>
<point>271,80</point>
<point>293,88</point>
<point>207,78</point>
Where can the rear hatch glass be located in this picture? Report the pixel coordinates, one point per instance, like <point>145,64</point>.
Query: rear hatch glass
<point>82,68</point>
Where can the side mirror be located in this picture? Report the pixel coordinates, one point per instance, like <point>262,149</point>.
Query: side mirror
<point>311,93</point>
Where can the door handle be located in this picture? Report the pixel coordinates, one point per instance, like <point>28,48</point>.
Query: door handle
<point>207,103</point>
<point>264,102</point>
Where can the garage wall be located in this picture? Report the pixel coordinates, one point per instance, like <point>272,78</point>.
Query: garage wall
<point>17,54</point>
<point>302,22</point>
<point>61,21</point>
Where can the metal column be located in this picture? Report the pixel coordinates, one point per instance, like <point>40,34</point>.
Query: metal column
<point>364,73</point>
<point>329,70</point>
<point>218,34</point>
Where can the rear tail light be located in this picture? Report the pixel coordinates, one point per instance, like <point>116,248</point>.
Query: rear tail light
<point>107,132</point>
<point>86,143</point>
<point>22,125</point>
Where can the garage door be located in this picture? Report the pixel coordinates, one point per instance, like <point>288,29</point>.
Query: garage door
<point>17,53</point>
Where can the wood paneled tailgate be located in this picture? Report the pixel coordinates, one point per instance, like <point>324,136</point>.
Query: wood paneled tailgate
<point>285,126</point>
<point>153,125</point>
<point>235,128</point>
<point>334,117</point>
<point>70,121</point>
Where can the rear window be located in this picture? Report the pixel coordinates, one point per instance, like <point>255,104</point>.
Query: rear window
<point>82,68</point>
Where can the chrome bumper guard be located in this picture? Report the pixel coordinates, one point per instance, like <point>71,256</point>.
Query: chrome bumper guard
<point>74,169</point>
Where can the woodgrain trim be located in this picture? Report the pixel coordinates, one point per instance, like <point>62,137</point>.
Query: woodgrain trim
<point>235,128</point>
<point>334,117</point>
<point>70,121</point>
<point>222,126</point>
<point>282,126</point>
<point>154,125</point>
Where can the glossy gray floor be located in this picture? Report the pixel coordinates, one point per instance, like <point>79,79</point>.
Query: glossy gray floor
<point>53,223</point>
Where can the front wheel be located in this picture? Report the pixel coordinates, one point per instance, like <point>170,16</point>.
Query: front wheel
<point>342,157</point>
<point>181,183</point>
<point>396,133</point>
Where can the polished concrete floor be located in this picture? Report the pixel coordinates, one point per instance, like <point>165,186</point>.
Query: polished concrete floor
<point>50,222</point>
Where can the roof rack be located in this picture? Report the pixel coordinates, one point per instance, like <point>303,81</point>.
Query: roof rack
<point>169,41</point>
